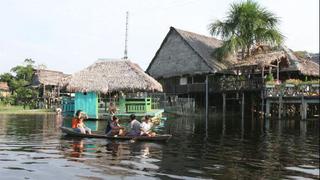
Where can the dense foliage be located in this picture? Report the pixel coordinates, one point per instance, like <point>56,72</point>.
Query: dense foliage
<point>19,81</point>
<point>247,25</point>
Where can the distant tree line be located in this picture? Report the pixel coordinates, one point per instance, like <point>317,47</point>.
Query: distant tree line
<point>19,80</point>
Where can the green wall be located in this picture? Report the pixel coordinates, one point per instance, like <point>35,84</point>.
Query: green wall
<point>87,102</point>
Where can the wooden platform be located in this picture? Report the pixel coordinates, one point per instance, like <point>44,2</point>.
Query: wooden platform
<point>153,113</point>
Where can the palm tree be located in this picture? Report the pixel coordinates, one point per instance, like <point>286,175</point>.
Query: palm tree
<point>247,24</point>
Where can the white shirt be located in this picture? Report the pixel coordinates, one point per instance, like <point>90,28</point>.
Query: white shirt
<point>146,126</point>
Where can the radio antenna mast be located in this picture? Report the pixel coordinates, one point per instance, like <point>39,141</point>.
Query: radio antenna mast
<point>126,38</point>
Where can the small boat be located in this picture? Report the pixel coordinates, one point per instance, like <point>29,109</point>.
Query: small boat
<point>72,132</point>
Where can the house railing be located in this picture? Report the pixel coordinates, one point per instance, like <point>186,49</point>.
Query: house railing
<point>238,85</point>
<point>291,90</point>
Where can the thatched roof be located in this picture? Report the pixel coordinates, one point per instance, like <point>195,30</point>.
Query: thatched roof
<point>293,63</point>
<point>112,75</point>
<point>261,59</point>
<point>304,66</point>
<point>315,58</point>
<point>205,46</point>
<point>183,52</point>
<point>4,86</point>
<point>49,77</point>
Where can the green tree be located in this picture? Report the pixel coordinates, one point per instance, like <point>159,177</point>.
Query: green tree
<point>247,24</point>
<point>19,83</point>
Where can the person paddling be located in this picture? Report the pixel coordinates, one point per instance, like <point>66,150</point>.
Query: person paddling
<point>115,128</point>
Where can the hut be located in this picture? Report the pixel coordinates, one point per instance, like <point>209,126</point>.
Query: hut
<point>50,84</point>
<point>107,76</point>
<point>4,89</point>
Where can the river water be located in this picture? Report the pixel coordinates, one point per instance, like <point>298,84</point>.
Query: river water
<point>33,147</point>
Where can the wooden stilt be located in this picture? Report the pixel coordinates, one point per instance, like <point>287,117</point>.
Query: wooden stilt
<point>207,103</point>
<point>267,115</point>
<point>223,104</point>
<point>242,116</point>
<point>304,107</point>
<point>242,106</point>
<point>280,107</point>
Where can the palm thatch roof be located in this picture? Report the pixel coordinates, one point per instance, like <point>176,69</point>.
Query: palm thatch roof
<point>4,86</point>
<point>260,59</point>
<point>183,52</point>
<point>304,66</point>
<point>315,58</point>
<point>205,46</point>
<point>49,77</point>
<point>109,75</point>
<point>285,56</point>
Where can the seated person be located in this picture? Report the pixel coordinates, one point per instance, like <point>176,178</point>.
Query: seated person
<point>112,109</point>
<point>82,127</point>
<point>77,123</point>
<point>146,127</point>
<point>135,126</point>
<point>115,128</point>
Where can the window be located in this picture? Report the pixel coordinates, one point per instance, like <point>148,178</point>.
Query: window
<point>183,80</point>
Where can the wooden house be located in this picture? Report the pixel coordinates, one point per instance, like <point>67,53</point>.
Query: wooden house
<point>50,84</point>
<point>185,66</point>
<point>106,79</point>
<point>4,89</point>
<point>183,62</point>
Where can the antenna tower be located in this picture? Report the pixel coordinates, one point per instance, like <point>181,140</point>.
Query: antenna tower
<point>126,38</point>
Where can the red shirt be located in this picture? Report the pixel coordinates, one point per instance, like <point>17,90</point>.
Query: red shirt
<point>75,122</point>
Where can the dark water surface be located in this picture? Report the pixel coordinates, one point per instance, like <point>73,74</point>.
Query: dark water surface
<point>32,147</point>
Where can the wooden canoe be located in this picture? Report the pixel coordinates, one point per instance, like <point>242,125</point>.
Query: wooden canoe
<point>72,132</point>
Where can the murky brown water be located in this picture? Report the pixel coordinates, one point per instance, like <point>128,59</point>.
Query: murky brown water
<point>32,147</point>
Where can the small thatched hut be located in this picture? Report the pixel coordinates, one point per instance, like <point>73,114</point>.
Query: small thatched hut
<point>107,76</point>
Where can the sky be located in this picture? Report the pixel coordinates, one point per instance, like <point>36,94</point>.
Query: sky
<point>69,35</point>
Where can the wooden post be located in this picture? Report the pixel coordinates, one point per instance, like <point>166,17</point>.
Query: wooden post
<point>223,104</point>
<point>262,91</point>
<point>207,95</point>
<point>304,107</point>
<point>277,70</point>
<point>242,116</point>
<point>280,107</point>
<point>242,106</point>
<point>207,103</point>
<point>44,96</point>
<point>267,115</point>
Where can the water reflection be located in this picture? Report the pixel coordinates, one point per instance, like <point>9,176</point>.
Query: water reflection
<point>232,148</point>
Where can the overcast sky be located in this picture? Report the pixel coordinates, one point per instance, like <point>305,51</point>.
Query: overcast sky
<point>69,35</point>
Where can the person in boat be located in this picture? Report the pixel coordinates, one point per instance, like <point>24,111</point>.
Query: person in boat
<point>115,128</point>
<point>77,123</point>
<point>146,126</point>
<point>112,109</point>
<point>83,128</point>
<point>135,126</point>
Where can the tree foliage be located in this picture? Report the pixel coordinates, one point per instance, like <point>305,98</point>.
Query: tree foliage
<point>19,81</point>
<point>247,24</point>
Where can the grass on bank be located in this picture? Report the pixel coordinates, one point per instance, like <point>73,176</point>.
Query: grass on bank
<point>9,109</point>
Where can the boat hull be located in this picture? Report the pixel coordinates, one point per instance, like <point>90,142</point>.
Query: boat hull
<point>71,132</point>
